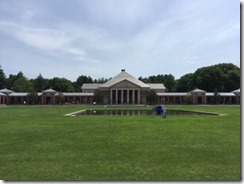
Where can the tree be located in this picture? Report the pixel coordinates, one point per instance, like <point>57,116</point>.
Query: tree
<point>10,80</point>
<point>60,99</point>
<point>169,82</point>
<point>40,83</point>
<point>32,97</point>
<point>98,97</point>
<point>22,84</point>
<point>231,80</point>
<point>80,81</point>
<point>208,78</point>
<point>184,83</point>
<point>223,77</point>
<point>188,99</point>
<point>152,97</point>
<point>61,84</point>
<point>145,80</point>
<point>2,78</point>
<point>216,98</point>
<point>101,80</point>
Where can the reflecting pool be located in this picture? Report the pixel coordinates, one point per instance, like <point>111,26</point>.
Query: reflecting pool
<point>137,112</point>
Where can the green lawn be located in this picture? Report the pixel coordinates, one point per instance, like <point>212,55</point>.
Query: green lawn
<point>40,143</point>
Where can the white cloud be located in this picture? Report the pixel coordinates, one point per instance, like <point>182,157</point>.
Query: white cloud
<point>43,38</point>
<point>143,36</point>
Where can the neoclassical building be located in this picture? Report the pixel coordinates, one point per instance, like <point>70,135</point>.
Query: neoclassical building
<point>123,89</point>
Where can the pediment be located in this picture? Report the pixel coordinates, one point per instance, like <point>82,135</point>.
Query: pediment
<point>125,84</point>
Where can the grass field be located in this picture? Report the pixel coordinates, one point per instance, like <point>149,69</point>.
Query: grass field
<point>40,143</point>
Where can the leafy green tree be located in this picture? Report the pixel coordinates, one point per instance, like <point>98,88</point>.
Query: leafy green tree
<point>231,79</point>
<point>2,78</point>
<point>60,99</point>
<point>101,80</point>
<point>32,98</point>
<point>216,98</point>
<point>152,97</point>
<point>61,84</point>
<point>40,83</point>
<point>10,80</point>
<point>169,82</point>
<point>184,83</point>
<point>223,77</point>
<point>98,97</point>
<point>80,81</point>
<point>22,84</point>
<point>208,78</point>
<point>145,80</point>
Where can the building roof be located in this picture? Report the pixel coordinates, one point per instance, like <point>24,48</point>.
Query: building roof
<point>220,94</point>
<point>226,94</point>
<point>5,90</point>
<point>123,75</point>
<point>173,94</point>
<point>198,91</point>
<point>2,94</point>
<point>18,94</point>
<point>90,86</point>
<point>156,85</point>
<point>78,94</point>
<point>49,91</point>
<point>209,94</point>
<point>236,91</point>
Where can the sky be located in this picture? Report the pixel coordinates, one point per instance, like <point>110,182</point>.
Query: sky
<point>98,38</point>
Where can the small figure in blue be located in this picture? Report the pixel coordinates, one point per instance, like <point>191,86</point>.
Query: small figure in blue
<point>159,109</point>
<point>164,112</point>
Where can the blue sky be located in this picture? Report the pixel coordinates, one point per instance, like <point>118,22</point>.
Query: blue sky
<point>69,38</point>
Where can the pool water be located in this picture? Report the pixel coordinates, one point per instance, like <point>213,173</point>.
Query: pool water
<point>138,112</point>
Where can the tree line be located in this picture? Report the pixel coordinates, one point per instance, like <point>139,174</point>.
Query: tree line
<point>220,77</point>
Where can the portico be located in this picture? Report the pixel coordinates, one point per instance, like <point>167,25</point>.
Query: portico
<point>123,89</point>
<point>125,96</point>
<point>2,98</point>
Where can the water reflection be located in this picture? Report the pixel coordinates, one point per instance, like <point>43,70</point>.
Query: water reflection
<point>138,112</point>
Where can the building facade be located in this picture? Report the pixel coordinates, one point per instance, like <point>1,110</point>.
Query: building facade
<point>123,89</point>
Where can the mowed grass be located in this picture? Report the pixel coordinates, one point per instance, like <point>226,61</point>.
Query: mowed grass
<point>40,143</point>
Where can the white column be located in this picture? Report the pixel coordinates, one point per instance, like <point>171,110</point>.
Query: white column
<point>133,96</point>
<point>139,97</point>
<point>116,100</point>
<point>122,96</point>
<point>111,96</point>
<point>128,96</point>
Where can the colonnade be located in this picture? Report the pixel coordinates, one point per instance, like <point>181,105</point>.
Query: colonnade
<point>172,99</point>
<point>78,100</point>
<point>125,96</point>
<point>2,100</point>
